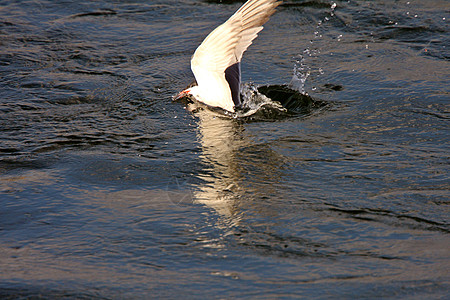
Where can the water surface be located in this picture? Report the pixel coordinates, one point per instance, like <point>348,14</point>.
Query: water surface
<point>110,190</point>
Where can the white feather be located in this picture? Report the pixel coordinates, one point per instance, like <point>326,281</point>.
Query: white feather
<point>223,47</point>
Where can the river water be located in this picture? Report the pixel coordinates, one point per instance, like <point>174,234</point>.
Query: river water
<point>110,190</point>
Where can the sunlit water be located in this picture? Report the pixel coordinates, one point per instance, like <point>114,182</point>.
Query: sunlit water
<point>109,189</point>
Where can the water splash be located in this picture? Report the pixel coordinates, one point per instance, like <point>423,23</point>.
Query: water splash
<point>333,7</point>
<point>302,70</point>
<point>274,102</point>
<point>263,103</point>
<point>255,103</point>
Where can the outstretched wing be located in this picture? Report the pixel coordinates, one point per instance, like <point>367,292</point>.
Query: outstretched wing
<point>219,56</point>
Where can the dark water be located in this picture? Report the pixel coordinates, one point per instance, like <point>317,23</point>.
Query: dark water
<point>108,189</point>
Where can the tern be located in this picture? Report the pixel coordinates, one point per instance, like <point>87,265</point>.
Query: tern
<point>216,63</point>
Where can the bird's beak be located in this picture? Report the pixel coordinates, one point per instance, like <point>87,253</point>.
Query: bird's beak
<point>181,95</point>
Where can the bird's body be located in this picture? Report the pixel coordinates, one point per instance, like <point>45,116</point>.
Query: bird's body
<point>216,62</point>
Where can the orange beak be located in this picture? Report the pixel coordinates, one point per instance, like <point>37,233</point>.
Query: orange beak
<point>181,95</point>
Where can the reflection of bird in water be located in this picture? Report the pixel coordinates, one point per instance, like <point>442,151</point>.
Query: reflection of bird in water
<point>230,156</point>
<point>220,139</point>
<point>216,62</point>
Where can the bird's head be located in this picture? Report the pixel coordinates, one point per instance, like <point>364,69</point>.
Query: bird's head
<point>191,92</point>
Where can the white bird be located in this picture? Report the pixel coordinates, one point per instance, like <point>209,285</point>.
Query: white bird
<point>216,62</point>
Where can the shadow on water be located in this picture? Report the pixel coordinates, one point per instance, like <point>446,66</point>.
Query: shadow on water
<point>295,103</point>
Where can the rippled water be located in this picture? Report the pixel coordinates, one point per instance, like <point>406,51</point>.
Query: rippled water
<point>108,189</point>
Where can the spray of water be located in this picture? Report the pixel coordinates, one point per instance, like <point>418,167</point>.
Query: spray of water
<point>254,102</point>
<point>302,70</point>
